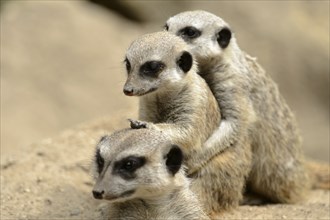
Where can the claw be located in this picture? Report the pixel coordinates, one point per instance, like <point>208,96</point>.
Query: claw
<point>135,124</point>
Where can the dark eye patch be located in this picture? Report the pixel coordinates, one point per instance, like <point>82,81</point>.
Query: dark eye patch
<point>152,68</point>
<point>189,33</point>
<point>127,166</point>
<point>128,65</point>
<point>99,161</point>
<point>166,27</point>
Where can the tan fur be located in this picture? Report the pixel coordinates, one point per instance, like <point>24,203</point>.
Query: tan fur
<point>184,108</point>
<point>252,108</point>
<point>157,193</point>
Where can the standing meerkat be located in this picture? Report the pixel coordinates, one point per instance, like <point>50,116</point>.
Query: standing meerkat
<point>177,101</point>
<point>250,102</point>
<point>139,172</point>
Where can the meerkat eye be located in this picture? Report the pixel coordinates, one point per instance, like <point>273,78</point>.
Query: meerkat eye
<point>99,161</point>
<point>189,33</point>
<point>128,65</point>
<point>129,164</point>
<point>152,68</point>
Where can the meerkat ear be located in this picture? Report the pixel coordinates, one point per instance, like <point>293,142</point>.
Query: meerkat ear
<point>103,138</point>
<point>224,37</point>
<point>174,159</point>
<point>185,61</point>
<point>166,27</point>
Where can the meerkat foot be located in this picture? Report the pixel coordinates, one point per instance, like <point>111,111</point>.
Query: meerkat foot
<point>216,215</point>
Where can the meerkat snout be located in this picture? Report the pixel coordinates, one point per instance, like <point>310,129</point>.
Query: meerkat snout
<point>128,91</point>
<point>98,194</point>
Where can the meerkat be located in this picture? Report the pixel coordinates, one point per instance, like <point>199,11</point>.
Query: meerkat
<point>139,172</point>
<point>176,100</point>
<point>250,102</point>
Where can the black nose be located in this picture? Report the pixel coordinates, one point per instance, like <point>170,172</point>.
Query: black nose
<point>97,194</point>
<point>128,91</point>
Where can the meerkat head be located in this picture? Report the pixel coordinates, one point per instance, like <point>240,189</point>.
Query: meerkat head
<point>135,163</point>
<point>155,61</point>
<point>207,35</point>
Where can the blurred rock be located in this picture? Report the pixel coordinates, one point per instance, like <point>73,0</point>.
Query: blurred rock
<point>61,64</point>
<point>144,11</point>
<point>290,40</point>
<point>61,61</point>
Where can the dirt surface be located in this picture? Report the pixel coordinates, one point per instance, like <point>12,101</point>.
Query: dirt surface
<point>61,65</point>
<point>51,180</point>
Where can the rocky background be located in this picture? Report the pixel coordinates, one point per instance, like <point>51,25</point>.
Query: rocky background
<point>61,65</point>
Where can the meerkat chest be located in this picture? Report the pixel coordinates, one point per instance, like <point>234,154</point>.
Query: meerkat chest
<point>164,108</point>
<point>141,210</point>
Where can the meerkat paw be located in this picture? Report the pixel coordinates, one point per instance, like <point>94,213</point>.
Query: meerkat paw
<point>136,124</point>
<point>215,215</point>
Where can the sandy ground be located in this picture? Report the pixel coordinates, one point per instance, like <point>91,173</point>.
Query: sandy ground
<point>61,65</point>
<point>51,180</point>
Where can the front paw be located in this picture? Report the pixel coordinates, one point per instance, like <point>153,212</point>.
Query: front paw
<point>136,124</point>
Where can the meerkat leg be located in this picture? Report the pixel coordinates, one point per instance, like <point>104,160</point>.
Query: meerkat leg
<point>278,170</point>
<point>236,114</point>
<point>221,182</point>
<point>280,179</point>
<point>180,135</point>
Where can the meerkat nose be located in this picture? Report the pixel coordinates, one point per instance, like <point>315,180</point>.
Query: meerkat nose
<point>128,91</point>
<point>97,194</point>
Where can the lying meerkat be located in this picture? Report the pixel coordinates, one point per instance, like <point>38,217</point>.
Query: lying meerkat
<point>177,101</point>
<point>250,102</point>
<point>139,172</point>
